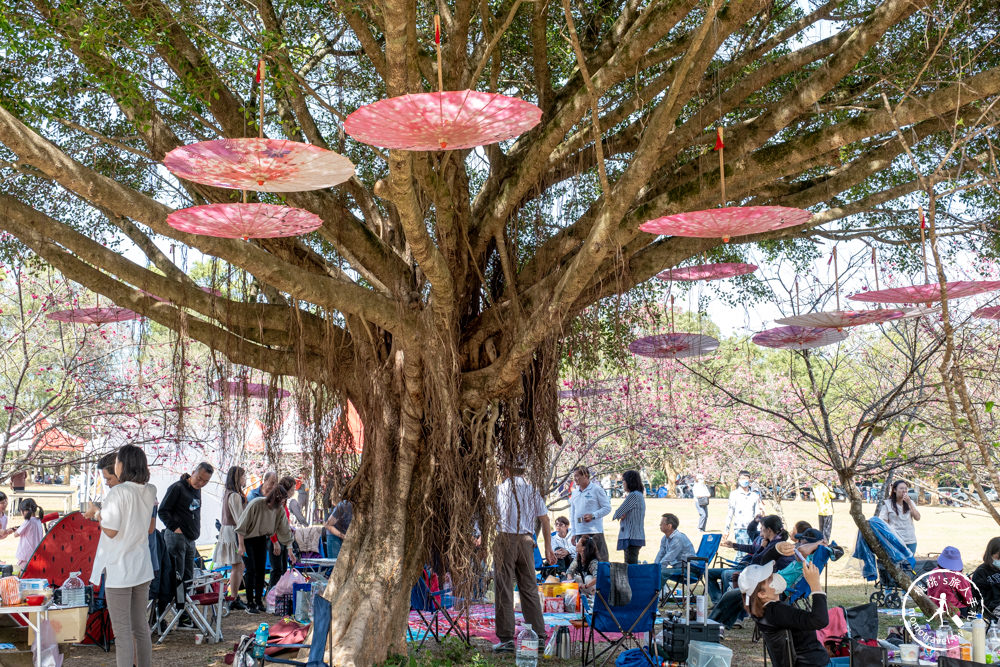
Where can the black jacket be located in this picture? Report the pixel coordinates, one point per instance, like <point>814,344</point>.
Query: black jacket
<point>987,580</point>
<point>181,508</point>
<point>782,621</point>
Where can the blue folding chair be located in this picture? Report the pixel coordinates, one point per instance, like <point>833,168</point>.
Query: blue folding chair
<point>698,566</point>
<point>639,615</point>
<point>320,633</point>
<point>799,594</point>
<point>432,607</point>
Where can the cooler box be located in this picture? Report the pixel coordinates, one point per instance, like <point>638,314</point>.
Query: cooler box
<point>707,654</point>
<point>69,625</point>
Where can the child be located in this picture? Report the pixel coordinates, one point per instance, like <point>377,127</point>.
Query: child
<point>3,516</point>
<point>954,592</point>
<point>30,532</point>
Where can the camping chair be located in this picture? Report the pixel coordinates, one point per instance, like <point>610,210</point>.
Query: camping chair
<point>320,634</point>
<point>945,661</point>
<point>697,566</point>
<point>98,631</point>
<point>207,593</point>
<point>639,615</point>
<point>432,607</point>
<point>799,595</point>
<point>863,655</point>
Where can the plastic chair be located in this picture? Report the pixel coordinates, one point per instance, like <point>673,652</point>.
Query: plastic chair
<point>436,605</point>
<point>697,567</point>
<point>639,615</point>
<point>320,633</point>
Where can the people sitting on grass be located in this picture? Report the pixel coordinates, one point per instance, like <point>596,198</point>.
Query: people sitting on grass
<point>954,591</point>
<point>583,569</point>
<point>987,578</point>
<point>789,633</point>
<point>675,549</point>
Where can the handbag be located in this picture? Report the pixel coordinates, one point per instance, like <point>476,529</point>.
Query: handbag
<point>703,501</point>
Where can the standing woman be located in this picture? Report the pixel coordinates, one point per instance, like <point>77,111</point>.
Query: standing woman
<point>229,549</point>
<point>899,512</point>
<point>631,514</point>
<point>123,556</point>
<point>263,517</point>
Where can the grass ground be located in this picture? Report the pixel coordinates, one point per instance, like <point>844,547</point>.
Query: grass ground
<point>939,527</point>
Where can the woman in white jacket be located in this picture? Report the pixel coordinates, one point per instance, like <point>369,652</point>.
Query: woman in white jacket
<point>123,556</point>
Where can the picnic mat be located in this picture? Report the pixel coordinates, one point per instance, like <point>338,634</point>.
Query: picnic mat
<point>482,624</point>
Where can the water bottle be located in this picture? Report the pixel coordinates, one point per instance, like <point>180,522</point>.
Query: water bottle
<point>992,645</point>
<point>72,591</point>
<point>526,651</point>
<point>260,641</point>
<point>979,639</point>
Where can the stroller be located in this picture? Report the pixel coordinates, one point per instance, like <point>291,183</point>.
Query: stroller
<point>888,592</point>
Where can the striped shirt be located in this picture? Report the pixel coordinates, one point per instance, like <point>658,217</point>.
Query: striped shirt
<point>632,514</point>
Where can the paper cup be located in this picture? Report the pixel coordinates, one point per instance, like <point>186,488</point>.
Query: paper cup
<point>908,653</point>
<point>199,638</point>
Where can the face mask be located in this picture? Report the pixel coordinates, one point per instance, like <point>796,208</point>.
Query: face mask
<point>778,584</point>
<point>744,483</point>
<point>996,563</point>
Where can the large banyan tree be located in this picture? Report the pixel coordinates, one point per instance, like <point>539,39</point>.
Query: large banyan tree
<point>436,292</point>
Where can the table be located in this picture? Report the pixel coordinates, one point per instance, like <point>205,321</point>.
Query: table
<point>23,612</point>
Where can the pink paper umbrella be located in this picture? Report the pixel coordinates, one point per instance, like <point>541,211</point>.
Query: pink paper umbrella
<point>265,165</point>
<point>798,338</point>
<point>838,319</point>
<point>450,120</point>
<point>94,315</point>
<point>673,346</point>
<point>988,312</point>
<point>249,389</point>
<point>244,221</point>
<point>707,272</point>
<point>726,223</point>
<point>928,293</point>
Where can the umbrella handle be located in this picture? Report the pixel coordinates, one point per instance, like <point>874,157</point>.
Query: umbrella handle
<point>437,45</point>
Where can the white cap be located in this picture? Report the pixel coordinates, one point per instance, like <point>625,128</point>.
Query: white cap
<point>752,576</point>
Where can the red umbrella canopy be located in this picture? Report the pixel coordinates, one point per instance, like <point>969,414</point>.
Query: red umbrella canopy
<point>838,319</point>
<point>988,312</point>
<point>798,338</point>
<point>673,346</point>
<point>728,222</point>
<point>265,165</point>
<point>244,221</point>
<point>707,272</point>
<point>450,120</point>
<point>928,293</point>
<point>93,315</point>
<point>249,389</point>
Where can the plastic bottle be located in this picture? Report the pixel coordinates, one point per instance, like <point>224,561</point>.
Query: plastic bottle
<point>979,639</point>
<point>941,637</point>
<point>526,650</point>
<point>992,644</point>
<point>72,591</point>
<point>260,641</point>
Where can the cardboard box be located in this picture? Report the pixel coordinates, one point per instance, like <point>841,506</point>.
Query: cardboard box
<point>70,625</point>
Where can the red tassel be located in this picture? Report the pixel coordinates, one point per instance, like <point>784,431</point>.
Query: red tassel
<point>260,70</point>
<point>437,34</point>
<point>718,139</point>
<point>923,221</point>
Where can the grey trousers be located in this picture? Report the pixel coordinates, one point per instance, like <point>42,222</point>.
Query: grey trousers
<point>127,608</point>
<point>514,561</point>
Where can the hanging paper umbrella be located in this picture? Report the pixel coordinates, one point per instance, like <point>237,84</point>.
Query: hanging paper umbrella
<point>265,165</point>
<point>988,312</point>
<point>673,345</point>
<point>707,272</point>
<point>798,338</point>
<point>928,293</point>
<point>249,389</point>
<point>728,222</point>
<point>450,120</point>
<point>93,315</point>
<point>838,319</point>
<point>244,221</point>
